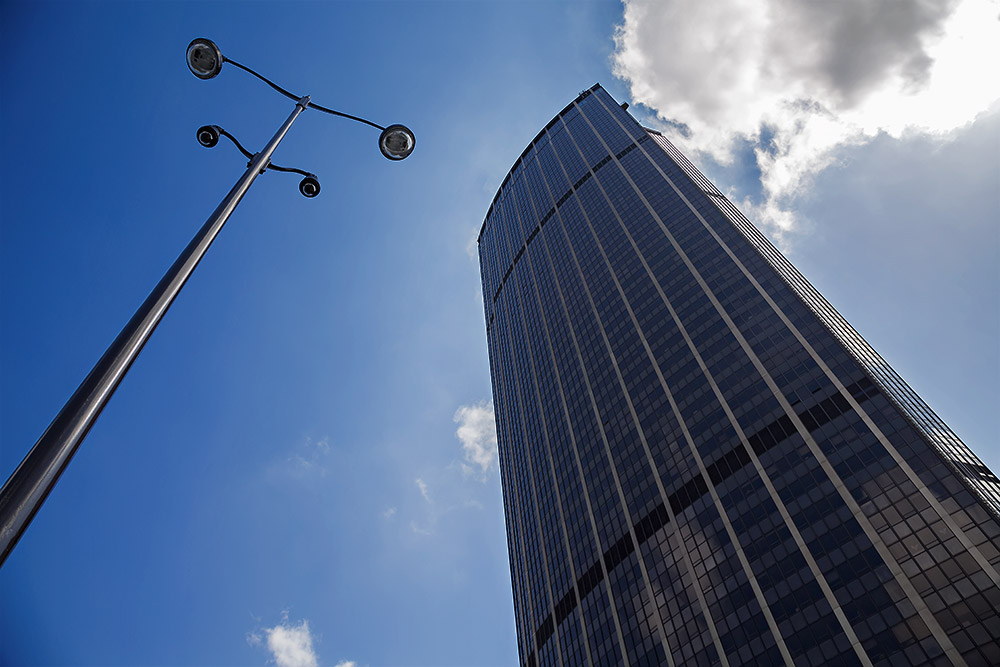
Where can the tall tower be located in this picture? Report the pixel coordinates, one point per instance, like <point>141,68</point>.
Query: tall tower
<point>702,462</point>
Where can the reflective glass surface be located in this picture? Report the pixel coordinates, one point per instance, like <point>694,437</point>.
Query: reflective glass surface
<point>702,462</point>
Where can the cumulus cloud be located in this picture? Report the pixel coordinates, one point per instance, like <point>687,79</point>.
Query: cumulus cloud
<point>802,80</point>
<point>290,645</point>
<point>477,432</point>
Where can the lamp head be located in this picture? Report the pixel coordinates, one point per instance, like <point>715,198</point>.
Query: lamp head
<point>204,58</point>
<point>396,142</point>
<point>309,187</point>
<point>208,135</point>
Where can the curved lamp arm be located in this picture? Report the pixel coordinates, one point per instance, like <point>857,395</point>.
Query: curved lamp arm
<point>293,96</point>
<point>208,136</point>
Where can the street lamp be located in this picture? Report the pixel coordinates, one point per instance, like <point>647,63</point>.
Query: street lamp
<point>26,489</point>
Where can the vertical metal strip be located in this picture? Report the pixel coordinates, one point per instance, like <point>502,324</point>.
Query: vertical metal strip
<point>505,474</point>
<point>527,608</point>
<point>548,447</point>
<point>631,406</point>
<point>523,455</point>
<point>741,555</point>
<point>685,554</point>
<point>520,554</point>
<point>570,429</point>
<point>597,414</point>
<point>526,455</point>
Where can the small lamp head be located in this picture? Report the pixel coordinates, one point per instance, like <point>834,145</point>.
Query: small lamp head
<point>309,187</point>
<point>208,135</point>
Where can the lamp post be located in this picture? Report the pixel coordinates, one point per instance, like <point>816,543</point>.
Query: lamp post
<point>28,486</point>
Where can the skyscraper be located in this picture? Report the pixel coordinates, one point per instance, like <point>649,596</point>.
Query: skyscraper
<point>702,462</point>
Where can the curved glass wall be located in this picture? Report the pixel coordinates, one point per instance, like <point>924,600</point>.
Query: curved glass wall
<point>702,462</point>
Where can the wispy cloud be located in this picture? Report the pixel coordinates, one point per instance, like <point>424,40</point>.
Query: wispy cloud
<point>455,485</point>
<point>290,645</point>
<point>472,246</point>
<point>420,530</point>
<point>422,485</point>
<point>478,434</point>
<point>802,80</point>
<point>308,459</point>
<point>389,512</point>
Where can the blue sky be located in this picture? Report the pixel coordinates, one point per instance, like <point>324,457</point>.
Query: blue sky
<point>282,473</point>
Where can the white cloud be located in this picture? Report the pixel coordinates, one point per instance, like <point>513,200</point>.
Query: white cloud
<point>422,485</point>
<point>309,459</point>
<point>478,433</point>
<point>801,80</point>
<point>389,513</point>
<point>290,645</point>
<point>347,663</point>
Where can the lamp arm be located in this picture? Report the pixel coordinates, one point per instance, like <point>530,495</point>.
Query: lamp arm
<point>293,96</point>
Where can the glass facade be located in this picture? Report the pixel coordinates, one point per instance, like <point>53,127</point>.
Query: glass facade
<point>702,462</point>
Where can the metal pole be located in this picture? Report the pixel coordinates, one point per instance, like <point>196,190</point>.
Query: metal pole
<point>26,489</point>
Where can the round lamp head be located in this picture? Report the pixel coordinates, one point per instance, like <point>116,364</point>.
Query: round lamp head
<point>309,187</point>
<point>396,142</point>
<point>208,135</point>
<point>204,58</point>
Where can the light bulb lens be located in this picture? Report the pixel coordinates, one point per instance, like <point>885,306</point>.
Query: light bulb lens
<point>309,187</point>
<point>396,142</point>
<point>204,58</point>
